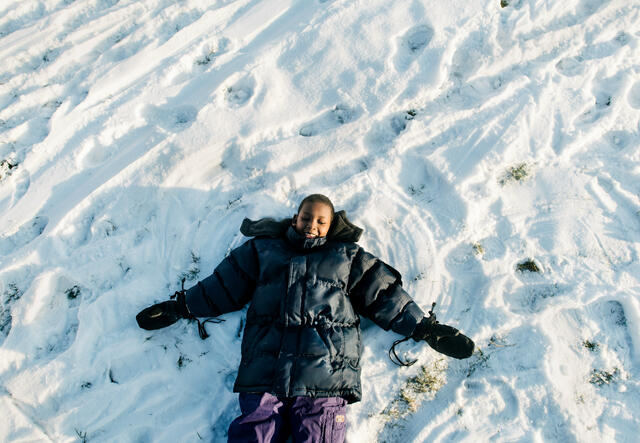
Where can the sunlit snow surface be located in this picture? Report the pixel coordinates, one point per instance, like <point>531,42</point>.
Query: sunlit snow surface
<point>468,138</point>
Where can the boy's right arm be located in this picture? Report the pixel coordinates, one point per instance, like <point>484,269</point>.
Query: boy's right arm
<point>230,286</point>
<point>228,289</point>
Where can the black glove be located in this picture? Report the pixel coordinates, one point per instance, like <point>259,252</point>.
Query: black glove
<point>443,338</point>
<point>163,314</point>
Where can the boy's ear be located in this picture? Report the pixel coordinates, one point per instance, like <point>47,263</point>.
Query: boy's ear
<point>293,220</point>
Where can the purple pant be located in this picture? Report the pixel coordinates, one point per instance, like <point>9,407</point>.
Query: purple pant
<point>266,418</point>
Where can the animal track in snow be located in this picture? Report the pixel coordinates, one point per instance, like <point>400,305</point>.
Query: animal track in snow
<point>412,43</point>
<point>339,115</point>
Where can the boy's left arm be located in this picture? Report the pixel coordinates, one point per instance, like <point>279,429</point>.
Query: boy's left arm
<point>376,293</point>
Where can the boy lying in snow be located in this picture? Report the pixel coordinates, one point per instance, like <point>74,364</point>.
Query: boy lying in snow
<point>307,283</point>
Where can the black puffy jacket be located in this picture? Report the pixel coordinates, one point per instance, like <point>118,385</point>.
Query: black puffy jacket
<point>302,333</point>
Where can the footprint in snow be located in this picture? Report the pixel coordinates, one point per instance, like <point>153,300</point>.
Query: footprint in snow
<point>53,305</point>
<point>41,60</point>
<point>339,115</point>
<point>611,314</point>
<point>633,98</point>
<point>603,99</point>
<point>570,66</point>
<point>10,295</point>
<point>23,236</point>
<point>173,119</point>
<point>21,185</point>
<point>93,153</point>
<point>21,18</point>
<point>13,174</point>
<point>5,322</point>
<point>616,312</point>
<point>240,93</point>
<point>7,167</point>
<point>537,297</point>
<point>389,129</point>
<point>399,122</point>
<point>171,27</point>
<point>411,45</point>
<point>211,52</point>
<point>587,8</point>
<point>120,44</point>
<point>618,139</point>
<point>508,398</point>
<point>122,51</point>
<point>469,56</point>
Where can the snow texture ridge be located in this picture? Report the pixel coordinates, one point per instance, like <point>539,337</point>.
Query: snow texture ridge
<point>490,150</point>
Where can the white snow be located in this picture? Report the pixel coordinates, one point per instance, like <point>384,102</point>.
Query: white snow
<point>465,137</point>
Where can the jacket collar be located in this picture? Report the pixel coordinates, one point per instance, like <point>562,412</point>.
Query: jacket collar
<point>300,241</point>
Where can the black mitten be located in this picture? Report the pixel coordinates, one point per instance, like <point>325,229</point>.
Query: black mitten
<point>443,338</point>
<point>162,314</point>
<point>424,328</point>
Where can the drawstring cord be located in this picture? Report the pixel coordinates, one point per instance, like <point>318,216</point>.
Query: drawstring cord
<point>393,356</point>
<point>398,361</point>
<point>202,331</point>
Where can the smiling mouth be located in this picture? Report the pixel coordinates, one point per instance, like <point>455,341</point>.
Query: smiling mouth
<point>309,235</point>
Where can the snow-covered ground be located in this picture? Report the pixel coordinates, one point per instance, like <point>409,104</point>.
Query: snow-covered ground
<point>491,151</point>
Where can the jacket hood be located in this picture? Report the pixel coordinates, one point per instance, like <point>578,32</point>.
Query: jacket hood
<point>341,230</point>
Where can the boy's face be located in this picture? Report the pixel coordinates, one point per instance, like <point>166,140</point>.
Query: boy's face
<point>313,220</point>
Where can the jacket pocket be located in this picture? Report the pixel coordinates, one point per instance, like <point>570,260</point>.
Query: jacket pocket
<point>334,428</point>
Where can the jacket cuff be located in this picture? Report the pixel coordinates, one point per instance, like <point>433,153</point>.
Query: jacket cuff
<point>405,323</point>
<point>195,302</point>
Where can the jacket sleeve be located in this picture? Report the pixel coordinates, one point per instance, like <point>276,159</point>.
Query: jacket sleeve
<point>376,292</point>
<point>229,288</point>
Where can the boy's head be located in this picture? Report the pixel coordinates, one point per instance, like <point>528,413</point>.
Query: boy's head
<point>314,216</point>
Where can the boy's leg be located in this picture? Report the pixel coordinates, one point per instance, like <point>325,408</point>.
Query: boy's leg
<point>318,420</point>
<point>262,420</point>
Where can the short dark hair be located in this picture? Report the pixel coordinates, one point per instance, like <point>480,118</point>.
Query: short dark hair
<point>318,198</point>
